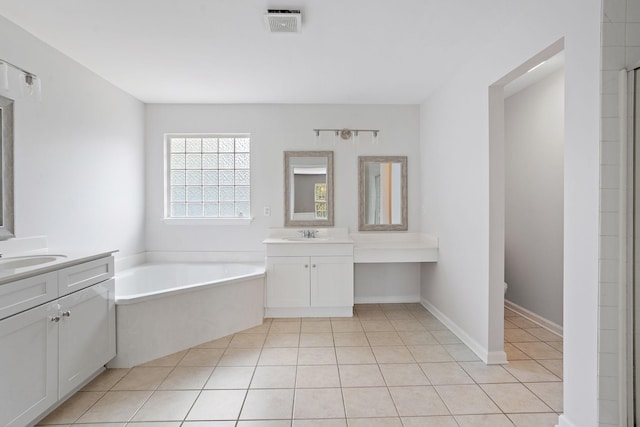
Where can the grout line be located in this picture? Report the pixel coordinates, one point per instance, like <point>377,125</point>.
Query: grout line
<point>377,363</point>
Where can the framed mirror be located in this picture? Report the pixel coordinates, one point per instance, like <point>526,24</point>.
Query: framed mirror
<point>6,165</point>
<point>382,193</point>
<point>308,183</point>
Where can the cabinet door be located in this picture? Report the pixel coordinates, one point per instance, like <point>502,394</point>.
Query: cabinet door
<point>288,282</point>
<point>331,281</point>
<point>28,364</point>
<point>87,334</point>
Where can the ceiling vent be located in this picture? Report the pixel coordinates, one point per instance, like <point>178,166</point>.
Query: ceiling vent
<point>283,21</point>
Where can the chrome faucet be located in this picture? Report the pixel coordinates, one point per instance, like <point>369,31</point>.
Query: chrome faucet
<point>308,234</point>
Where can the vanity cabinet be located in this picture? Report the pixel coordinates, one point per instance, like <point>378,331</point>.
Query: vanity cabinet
<point>28,364</point>
<point>86,334</point>
<point>309,280</point>
<point>48,350</point>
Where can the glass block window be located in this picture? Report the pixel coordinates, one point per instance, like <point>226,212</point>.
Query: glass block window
<point>320,193</point>
<point>208,176</point>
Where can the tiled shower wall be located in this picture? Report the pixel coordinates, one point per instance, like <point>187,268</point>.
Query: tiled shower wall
<point>620,50</point>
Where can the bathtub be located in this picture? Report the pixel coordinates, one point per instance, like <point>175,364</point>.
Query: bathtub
<point>163,308</point>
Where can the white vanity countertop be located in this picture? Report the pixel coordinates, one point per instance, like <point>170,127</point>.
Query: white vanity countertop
<point>281,236</point>
<point>302,240</point>
<point>384,247</point>
<point>12,274</point>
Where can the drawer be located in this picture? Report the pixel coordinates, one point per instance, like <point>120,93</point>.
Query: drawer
<point>27,293</point>
<point>310,249</point>
<point>80,276</point>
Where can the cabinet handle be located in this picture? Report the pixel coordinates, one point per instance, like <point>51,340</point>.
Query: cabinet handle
<point>55,318</point>
<point>306,266</point>
<point>66,313</point>
<point>314,266</point>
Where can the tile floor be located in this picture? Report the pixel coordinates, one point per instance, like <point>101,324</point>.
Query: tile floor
<point>390,365</point>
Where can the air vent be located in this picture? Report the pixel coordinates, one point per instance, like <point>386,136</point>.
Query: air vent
<point>283,21</point>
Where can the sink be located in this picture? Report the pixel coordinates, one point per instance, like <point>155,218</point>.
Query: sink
<point>27,261</point>
<point>306,239</point>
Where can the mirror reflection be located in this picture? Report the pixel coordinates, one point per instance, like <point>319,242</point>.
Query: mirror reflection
<point>383,193</point>
<point>308,188</point>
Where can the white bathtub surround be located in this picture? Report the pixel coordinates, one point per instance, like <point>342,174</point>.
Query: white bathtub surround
<point>130,261</point>
<point>251,257</point>
<point>156,280</point>
<point>193,305</point>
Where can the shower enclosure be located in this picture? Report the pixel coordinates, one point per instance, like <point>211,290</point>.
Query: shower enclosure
<point>633,292</point>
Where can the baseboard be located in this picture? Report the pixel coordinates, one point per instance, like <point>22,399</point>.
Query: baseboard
<point>489,358</point>
<point>288,312</point>
<point>496,358</point>
<point>403,299</point>
<point>563,421</point>
<point>539,320</point>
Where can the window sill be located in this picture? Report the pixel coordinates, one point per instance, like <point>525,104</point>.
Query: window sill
<point>208,221</point>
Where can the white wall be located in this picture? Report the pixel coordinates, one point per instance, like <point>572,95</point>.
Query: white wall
<point>456,152</point>
<point>387,283</point>
<point>274,129</point>
<point>534,134</point>
<point>79,153</point>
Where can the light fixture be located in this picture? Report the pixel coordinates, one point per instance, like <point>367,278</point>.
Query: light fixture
<point>4,76</point>
<point>30,84</point>
<point>347,134</point>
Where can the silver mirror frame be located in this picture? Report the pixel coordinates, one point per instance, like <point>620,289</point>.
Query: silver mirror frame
<point>288,222</point>
<point>362,225</point>
<point>6,175</point>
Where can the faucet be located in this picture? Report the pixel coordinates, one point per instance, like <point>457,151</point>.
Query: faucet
<point>308,234</point>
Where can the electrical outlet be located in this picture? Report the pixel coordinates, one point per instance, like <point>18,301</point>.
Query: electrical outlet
<point>267,211</point>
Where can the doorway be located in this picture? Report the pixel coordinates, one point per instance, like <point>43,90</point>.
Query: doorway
<point>497,176</point>
<point>534,193</point>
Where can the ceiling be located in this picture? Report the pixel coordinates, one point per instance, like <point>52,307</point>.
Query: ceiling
<point>219,51</point>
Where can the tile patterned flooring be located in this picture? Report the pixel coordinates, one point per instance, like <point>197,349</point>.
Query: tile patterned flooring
<point>389,365</point>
